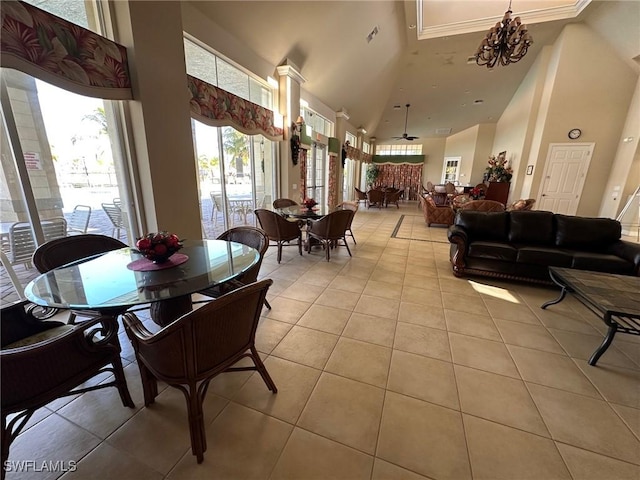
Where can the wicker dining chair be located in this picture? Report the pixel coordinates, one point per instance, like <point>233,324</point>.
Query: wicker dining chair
<point>41,361</point>
<point>252,237</point>
<point>284,203</point>
<point>361,196</point>
<point>353,206</point>
<point>279,229</point>
<point>61,251</point>
<point>375,198</point>
<point>188,353</point>
<point>330,229</point>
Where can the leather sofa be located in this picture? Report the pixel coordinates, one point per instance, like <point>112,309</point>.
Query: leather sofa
<point>521,245</point>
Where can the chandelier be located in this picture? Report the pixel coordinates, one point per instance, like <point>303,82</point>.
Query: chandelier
<point>505,43</point>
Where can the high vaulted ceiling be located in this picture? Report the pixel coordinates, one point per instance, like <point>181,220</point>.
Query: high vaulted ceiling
<point>328,41</point>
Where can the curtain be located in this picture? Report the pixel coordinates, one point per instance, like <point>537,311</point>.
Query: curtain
<point>332,190</point>
<point>407,177</point>
<point>218,108</point>
<point>62,53</point>
<point>354,154</point>
<point>302,161</point>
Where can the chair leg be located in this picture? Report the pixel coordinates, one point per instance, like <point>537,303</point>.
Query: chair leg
<point>121,383</point>
<point>262,370</point>
<point>149,384</point>
<point>266,304</point>
<point>196,422</point>
<point>344,239</point>
<point>300,244</point>
<point>328,247</point>
<point>279,251</point>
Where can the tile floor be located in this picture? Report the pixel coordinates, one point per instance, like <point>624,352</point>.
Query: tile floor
<point>388,367</point>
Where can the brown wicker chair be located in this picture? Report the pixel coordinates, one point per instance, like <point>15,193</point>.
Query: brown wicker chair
<point>252,237</point>
<point>375,198</point>
<point>353,206</point>
<point>284,203</point>
<point>361,196</point>
<point>42,361</point>
<point>393,197</point>
<point>61,251</point>
<point>483,206</point>
<point>188,353</point>
<point>436,213</point>
<point>330,229</point>
<point>279,229</point>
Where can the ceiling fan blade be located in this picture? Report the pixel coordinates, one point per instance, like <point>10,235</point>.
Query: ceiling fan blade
<point>412,138</point>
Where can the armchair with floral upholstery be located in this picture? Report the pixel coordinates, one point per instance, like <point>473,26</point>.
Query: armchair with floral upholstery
<point>439,214</point>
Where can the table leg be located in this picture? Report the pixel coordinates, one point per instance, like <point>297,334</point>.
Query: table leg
<point>563,293</point>
<point>166,311</point>
<point>613,328</point>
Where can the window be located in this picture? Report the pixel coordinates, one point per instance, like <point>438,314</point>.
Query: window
<point>351,139</point>
<point>404,149</point>
<point>208,66</point>
<point>317,122</point>
<point>366,148</point>
<point>451,169</point>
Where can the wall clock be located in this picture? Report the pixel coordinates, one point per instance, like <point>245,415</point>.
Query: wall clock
<point>575,133</point>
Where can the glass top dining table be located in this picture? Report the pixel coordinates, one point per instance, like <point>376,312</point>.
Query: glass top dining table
<point>107,283</point>
<point>300,211</point>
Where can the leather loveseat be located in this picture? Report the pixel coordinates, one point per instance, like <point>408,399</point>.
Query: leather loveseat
<point>521,245</point>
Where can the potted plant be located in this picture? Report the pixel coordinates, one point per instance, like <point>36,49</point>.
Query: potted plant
<point>373,171</point>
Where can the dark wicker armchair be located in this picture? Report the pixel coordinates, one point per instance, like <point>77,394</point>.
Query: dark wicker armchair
<point>284,203</point>
<point>393,196</point>
<point>330,229</point>
<point>190,352</point>
<point>361,196</point>
<point>252,237</point>
<point>279,229</point>
<point>62,251</point>
<point>44,360</point>
<point>353,206</point>
<point>435,213</point>
<point>375,198</point>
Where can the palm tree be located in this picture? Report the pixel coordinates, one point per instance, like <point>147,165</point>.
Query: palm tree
<point>98,116</point>
<point>237,147</point>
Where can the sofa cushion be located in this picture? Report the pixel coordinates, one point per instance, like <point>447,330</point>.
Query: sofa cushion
<point>484,225</point>
<point>532,227</point>
<point>492,250</point>
<point>582,233</point>
<point>602,262</point>
<point>549,256</point>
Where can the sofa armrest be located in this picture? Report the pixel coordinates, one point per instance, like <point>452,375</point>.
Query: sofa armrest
<point>627,250</point>
<point>458,237</point>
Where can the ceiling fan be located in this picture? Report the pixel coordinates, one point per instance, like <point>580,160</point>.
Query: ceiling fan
<point>404,135</point>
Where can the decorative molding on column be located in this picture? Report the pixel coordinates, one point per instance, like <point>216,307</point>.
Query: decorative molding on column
<point>342,113</point>
<point>291,70</point>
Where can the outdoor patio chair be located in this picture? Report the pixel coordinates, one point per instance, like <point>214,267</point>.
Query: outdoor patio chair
<point>78,222</point>
<point>216,207</point>
<point>114,212</point>
<point>190,352</point>
<point>22,243</point>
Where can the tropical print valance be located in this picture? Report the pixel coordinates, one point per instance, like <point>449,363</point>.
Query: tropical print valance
<point>355,154</point>
<point>398,159</point>
<point>218,108</point>
<point>62,53</point>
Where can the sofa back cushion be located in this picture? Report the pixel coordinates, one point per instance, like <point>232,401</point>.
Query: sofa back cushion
<point>586,233</point>
<point>532,227</point>
<point>483,225</point>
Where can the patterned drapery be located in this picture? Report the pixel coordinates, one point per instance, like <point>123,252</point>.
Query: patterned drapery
<point>302,161</point>
<point>407,177</point>
<point>354,154</point>
<point>62,53</point>
<point>218,108</point>
<point>332,191</point>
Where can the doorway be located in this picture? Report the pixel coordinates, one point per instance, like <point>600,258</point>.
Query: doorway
<point>316,173</point>
<point>564,175</point>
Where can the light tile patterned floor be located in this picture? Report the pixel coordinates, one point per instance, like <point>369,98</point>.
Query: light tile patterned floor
<point>387,367</point>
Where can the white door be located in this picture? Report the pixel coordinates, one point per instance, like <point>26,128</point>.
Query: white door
<point>564,175</point>
<point>316,173</point>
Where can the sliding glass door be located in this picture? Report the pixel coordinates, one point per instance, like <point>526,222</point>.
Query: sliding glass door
<point>317,173</point>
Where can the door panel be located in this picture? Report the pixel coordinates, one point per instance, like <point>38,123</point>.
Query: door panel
<point>564,176</point>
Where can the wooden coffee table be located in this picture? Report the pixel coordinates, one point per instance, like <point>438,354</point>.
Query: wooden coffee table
<point>614,298</point>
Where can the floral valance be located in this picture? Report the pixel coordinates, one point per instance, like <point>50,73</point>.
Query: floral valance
<point>62,53</point>
<point>398,159</point>
<point>218,108</point>
<point>355,154</point>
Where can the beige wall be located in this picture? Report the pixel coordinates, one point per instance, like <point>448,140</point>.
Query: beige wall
<point>161,125</point>
<point>484,148</point>
<point>462,144</point>
<point>433,150</point>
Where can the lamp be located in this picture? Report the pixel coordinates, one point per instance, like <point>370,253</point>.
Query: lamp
<point>300,121</point>
<point>505,43</point>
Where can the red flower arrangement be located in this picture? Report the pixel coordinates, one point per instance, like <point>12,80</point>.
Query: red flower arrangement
<point>476,193</point>
<point>158,247</point>
<point>309,203</point>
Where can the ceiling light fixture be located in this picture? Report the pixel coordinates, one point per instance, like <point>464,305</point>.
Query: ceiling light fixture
<point>505,43</point>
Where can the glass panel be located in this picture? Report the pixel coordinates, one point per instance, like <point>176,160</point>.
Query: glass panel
<point>238,173</point>
<point>200,63</point>
<point>232,80</point>
<point>71,10</point>
<point>73,163</point>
